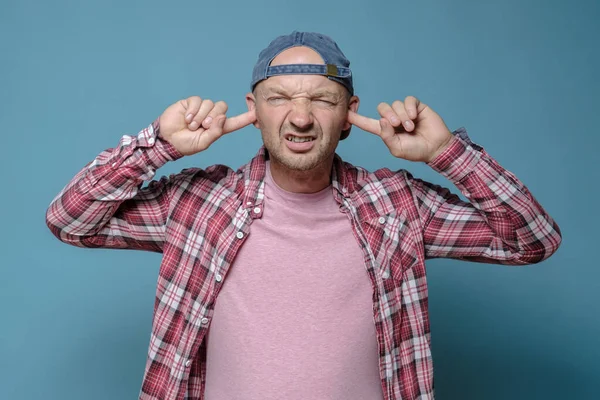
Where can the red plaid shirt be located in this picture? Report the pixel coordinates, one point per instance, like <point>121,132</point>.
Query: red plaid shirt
<point>199,219</point>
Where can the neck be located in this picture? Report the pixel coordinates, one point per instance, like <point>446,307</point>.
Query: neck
<point>311,181</point>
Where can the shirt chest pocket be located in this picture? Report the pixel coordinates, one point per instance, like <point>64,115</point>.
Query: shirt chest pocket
<point>391,243</point>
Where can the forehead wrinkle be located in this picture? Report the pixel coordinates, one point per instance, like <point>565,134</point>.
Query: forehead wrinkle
<point>313,92</point>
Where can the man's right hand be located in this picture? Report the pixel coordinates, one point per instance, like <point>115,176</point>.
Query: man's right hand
<point>193,124</point>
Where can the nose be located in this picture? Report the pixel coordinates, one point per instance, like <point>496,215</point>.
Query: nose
<point>301,116</point>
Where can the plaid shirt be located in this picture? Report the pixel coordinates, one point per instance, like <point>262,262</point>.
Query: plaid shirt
<point>199,219</point>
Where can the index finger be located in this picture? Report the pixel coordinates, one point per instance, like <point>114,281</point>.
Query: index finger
<point>366,124</point>
<point>239,121</point>
<point>411,103</point>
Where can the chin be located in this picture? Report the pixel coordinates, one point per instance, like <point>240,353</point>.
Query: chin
<point>310,160</point>
<point>298,162</point>
<point>303,161</point>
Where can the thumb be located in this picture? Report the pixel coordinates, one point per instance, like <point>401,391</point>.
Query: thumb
<point>215,131</point>
<point>219,125</point>
<point>366,124</point>
<point>239,121</point>
<point>387,130</point>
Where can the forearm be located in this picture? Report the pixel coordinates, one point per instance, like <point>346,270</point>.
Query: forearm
<point>509,225</point>
<point>84,208</point>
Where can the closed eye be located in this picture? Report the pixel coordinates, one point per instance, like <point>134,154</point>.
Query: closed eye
<point>324,102</point>
<point>277,100</point>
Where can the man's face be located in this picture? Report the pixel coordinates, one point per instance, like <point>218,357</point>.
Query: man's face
<point>301,117</point>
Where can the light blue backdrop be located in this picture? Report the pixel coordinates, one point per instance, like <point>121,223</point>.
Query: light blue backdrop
<point>522,76</point>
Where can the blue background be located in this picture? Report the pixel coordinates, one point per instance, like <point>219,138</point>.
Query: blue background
<point>522,76</point>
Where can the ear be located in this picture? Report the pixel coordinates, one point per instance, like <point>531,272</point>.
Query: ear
<point>251,103</point>
<point>353,104</point>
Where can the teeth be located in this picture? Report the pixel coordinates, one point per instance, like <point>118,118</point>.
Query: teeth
<point>299,140</point>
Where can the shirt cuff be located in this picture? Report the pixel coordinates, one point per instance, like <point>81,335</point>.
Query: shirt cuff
<point>459,159</point>
<point>159,151</point>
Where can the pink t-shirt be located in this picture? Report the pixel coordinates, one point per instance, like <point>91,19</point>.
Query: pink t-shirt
<point>294,318</point>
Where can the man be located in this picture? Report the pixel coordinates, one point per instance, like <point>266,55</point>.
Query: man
<point>298,275</point>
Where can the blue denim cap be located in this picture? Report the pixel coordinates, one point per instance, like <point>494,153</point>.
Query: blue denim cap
<point>336,65</point>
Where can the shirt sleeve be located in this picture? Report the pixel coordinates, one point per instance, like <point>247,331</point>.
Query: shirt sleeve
<point>501,222</point>
<point>104,205</point>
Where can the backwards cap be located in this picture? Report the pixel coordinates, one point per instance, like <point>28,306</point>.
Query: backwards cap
<point>336,66</point>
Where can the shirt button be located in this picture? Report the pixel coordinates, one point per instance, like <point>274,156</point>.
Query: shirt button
<point>188,363</point>
<point>257,210</point>
<point>114,164</point>
<point>382,220</point>
<point>249,203</point>
<point>344,190</point>
<point>219,278</point>
<point>239,235</point>
<point>151,140</point>
<point>204,321</point>
<point>386,274</point>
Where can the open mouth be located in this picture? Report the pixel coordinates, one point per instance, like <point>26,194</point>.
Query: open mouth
<point>297,139</point>
<point>299,143</point>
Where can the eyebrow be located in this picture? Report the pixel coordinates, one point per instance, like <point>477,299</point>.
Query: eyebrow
<point>320,93</point>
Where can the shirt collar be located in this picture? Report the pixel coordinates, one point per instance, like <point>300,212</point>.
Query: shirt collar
<point>254,178</point>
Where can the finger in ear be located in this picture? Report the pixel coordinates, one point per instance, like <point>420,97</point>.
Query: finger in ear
<point>387,130</point>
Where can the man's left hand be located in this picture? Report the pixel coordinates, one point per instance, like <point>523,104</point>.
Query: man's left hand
<point>410,129</point>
